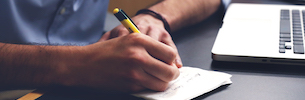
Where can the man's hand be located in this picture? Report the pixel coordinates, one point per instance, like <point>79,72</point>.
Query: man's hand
<point>150,26</point>
<point>129,63</point>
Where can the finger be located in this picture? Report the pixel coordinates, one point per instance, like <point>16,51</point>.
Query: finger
<point>178,61</point>
<point>161,70</point>
<point>153,83</point>
<point>166,39</point>
<point>118,31</point>
<point>105,36</point>
<point>122,32</point>
<point>157,49</point>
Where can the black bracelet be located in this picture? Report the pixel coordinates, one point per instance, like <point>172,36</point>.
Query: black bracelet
<point>156,15</point>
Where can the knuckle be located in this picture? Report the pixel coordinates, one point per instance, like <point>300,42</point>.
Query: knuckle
<point>136,39</point>
<point>177,75</point>
<point>172,53</point>
<point>133,76</point>
<point>151,28</point>
<point>134,54</point>
<point>162,87</point>
<point>166,34</point>
<point>140,27</point>
<point>172,74</point>
<point>137,58</point>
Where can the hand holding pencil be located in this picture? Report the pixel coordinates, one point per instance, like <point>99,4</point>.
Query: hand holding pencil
<point>145,23</point>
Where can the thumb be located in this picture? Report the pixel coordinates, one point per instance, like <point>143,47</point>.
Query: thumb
<point>105,36</point>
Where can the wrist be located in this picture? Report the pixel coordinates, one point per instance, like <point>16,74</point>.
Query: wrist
<point>146,19</point>
<point>157,16</point>
<point>69,58</point>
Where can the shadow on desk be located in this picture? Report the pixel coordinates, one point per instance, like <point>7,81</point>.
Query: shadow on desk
<point>219,89</point>
<point>280,69</point>
<point>67,93</point>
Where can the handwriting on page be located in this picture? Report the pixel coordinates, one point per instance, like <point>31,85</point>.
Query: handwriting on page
<point>191,83</point>
<point>179,83</point>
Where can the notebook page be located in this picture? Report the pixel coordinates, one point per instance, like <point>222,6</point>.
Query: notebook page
<point>191,83</point>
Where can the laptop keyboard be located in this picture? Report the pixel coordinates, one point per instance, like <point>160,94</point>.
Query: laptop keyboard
<point>291,34</point>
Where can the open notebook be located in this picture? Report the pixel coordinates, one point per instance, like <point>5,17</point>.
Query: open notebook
<point>191,83</point>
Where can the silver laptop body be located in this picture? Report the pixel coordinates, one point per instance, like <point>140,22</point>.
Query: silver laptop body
<point>261,33</point>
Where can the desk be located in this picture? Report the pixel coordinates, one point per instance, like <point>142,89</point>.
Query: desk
<point>250,81</point>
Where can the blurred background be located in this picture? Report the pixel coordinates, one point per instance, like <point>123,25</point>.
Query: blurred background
<point>131,6</point>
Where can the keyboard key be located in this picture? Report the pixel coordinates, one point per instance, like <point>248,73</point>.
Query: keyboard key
<point>296,20</point>
<point>297,39</point>
<point>297,32</point>
<point>282,50</point>
<point>285,39</point>
<point>297,36</point>
<point>298,43</point>
<point>285,18</point>
<point>285,26</point>
<point>282,46</point>
<point>297,24</point>
<point>298,49</point>
<point>295,11</point>
<point>284,10</point>
<point>285,36</point>
<point>287,47</point>
<point>297,27</point>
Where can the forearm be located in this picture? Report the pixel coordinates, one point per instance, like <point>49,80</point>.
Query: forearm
<point>180,13</point>
<point>31,65</point>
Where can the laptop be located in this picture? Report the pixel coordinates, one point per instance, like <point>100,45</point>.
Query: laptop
<point>262,33</point>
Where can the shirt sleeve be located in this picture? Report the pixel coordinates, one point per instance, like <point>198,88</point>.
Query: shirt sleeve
<point>226,3</point>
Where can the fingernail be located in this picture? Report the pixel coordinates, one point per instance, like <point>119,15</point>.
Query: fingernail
<point>178,63</point>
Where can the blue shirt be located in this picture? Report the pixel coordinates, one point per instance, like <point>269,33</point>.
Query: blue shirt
<point>226,3</point>
<point>52,22</point>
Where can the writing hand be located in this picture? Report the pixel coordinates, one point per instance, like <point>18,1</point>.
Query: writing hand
<point>147,25</point>
<point>128,63</point>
